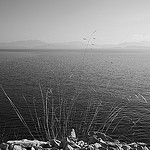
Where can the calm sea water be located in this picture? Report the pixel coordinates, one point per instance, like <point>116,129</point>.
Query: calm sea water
<point>113,86</point>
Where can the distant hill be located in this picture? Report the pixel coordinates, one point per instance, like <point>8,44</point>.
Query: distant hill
<point>22,44</point>
<point>66,45</point>
<point>128,45</point>
<point>135,44</point>
<point>37,44</point>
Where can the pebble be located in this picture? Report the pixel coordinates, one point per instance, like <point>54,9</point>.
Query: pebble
<point>95,141</point>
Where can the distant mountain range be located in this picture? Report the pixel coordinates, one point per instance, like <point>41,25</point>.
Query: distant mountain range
<point>37,44</point>
<point>22,44</point>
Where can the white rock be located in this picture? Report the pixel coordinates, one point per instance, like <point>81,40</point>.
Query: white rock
<point>27,143</point>
<point>81,143</point>
<point>17,147</point>
<point>97,145</point>
<point>32,148</point>
<point>69,148</point>
<point>73,134</point>
<point>145,148</point>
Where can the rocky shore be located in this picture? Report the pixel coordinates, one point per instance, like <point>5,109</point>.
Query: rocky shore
<point>93,141</point>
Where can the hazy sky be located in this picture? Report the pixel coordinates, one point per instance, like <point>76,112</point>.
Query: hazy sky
<point>70,20</point>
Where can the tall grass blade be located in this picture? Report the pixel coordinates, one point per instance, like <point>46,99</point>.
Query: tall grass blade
<point>120,121</point>
<point>111,120</point>
<point>39,128</point>
<point>17,112</point>
<point>95,114</point>
<point>88,42</point>
<point>87,110</point>
<point>44,111</point>
<point>70,110</point>
<point>47,115</point>
<point>53,113</point>
<point>114,115</point>
<point>31,115</point>
<point>106,119</point>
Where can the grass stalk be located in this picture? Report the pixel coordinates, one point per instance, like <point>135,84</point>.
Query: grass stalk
<point>88,42</point>
<point>44,111</point>
<point>95,114</point>
<point>111,120</point>
<point>70,110</point>
<point>3,132</point>
<point>53,113</point>
<point>86,114</point>
<point>119,122</point>
<point>113,116</point>
<point>47,115</point>
<point>37,119</point>
<point>31,115</point>
<point>106,119</point>
<point>17,112</point>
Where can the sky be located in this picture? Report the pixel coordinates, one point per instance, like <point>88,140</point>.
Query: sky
<point>56,21</point>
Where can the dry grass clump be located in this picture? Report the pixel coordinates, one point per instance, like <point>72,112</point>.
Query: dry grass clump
<point>85,110</point>
<point>59,117</point>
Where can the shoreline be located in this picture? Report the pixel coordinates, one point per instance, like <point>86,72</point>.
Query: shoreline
<point>93,141</point>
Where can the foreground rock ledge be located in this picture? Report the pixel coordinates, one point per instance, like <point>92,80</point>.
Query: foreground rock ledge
<point>94,141</point>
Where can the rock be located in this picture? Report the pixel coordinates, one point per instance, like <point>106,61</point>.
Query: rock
<point>125,146</point>
<point>97,145</point>
<point>10,147</point>
<point>27,148</point>
<point>103,143</point>
<point>47,145</point>
<point>118,144</point>
<point>141,143</point>
<point>68,147</point>
<point>101,136</point>
<point>113,146</point>
<point>104,137</point>
<point>37,147</point>
<point>63,143</point>
<point>102,148</point>
<point>90,147</point>
<point>67,143</point>
<point>81,143</point>
<point>54,148</point>
<point>133,146</point>
<point>32,148</point>
<point>93,139</point>
<point>72,143</point>
<point>108,138</point>
<point>145,148</point>
<point>55,143</point>
<point>4,146</point>
<point>85,146</point>
<point>73,134</point>
<point>17,147</point>
<point>139,147</point>
<point>27,143</point>
<point>75,146</point>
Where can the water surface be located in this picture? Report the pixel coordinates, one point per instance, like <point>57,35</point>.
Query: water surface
<point>117,80</point>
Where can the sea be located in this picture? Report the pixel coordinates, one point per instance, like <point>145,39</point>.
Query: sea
<point>54,91</point>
